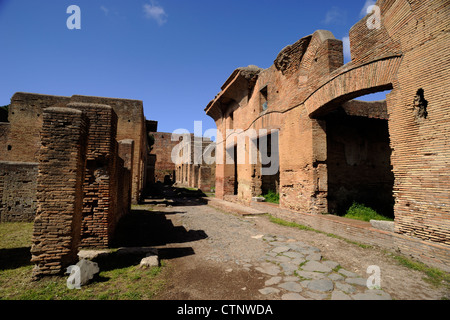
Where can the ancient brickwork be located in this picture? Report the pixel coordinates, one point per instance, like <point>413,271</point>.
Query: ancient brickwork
<point>164,168</point>
<point>131,124</point>
<point>18,191</point>
<point>57,226</point>
<point>406,54</point>
<point>124,169</point>
<point>100,184</point>
<point>25,119</point>
<point>20,138</point>
<point>194,171</point>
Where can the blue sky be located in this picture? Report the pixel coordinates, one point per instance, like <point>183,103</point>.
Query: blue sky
<point>172,54</point>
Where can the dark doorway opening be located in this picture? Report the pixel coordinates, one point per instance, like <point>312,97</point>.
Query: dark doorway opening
<point>358,158</point>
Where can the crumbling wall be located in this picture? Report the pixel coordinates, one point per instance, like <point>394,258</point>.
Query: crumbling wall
<point>124,177</point>
<point>131,124</point>
<point>100,184</point>
<point>57,226</point>
<point>164,168</point>
<point>25,118</point>
<point>407,54</point>
<point>18,191</point>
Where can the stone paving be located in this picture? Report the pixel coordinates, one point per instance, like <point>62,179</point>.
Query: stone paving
<point>299,272</point>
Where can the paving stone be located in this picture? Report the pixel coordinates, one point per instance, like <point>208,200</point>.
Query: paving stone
<point>348,273</point>
<point>345,287</point>
<point>268,290</point>
<point>292,296</point>
<point>339,295</point>
<point>298,261</point>
<point>291,286</point>
<point>314,256</point>
<point>281,249</point>
<point>316,295</point>
<point>288,268</point>
<point>269,268</point>
<point>272,281</point>
<point>293,255</point>
<point>299,244</point>
<point>331,264</point>
<point>282,259</point>
<point>305,283</point>
<point>358,281</point>
<point>321,285</point>
<point>310,275</point>
<point>290,278</point>
<point>315,266</point>
<point>335,277</point>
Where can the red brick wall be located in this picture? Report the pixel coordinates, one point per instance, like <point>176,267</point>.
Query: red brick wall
<point>100,184</point>
<point>17,191</point>
<point>407,55</point>
<point>57,226</point>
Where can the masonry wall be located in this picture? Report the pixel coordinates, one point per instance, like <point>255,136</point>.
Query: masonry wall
<point>22,140</point>
<point>100,183</point>
<point>130,125</point>
<point>57,226</point>
<point>124,177</point>
<point>25,121</point>
<point>18,191</point>
<point>408,55</point>
<point>164,168</point>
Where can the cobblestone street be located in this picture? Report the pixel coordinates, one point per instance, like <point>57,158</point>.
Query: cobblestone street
<point>252,258</point>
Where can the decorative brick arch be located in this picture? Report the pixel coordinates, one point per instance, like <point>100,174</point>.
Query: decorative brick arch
<point>354,81</point>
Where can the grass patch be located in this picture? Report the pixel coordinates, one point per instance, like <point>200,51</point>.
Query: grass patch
<point>433,276</point>
<point>15,234</point>
<point>306,228</point>
<point>127,282</point>
<point>361,212</point>
<point>272,197</point>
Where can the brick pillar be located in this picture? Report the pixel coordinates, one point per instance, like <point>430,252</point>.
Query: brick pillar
<point>57,226</point>
<point>125,152</point>
<point>99,203</point>
<point>204,179</point>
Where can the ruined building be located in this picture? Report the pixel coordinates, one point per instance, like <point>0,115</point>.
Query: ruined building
<point>332,149</point>
<point>195,171</point>
<point>73,165</point>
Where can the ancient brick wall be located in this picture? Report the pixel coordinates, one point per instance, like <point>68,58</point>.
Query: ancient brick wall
<point>100,184</point>
<point>4,133</point>
<point>57,226</point>
<point>196,171</point>
<point>25,118</point>
<point>162,152</point>
<point>124,177</point>
<point>22,139</point>
<point>18,191</point>
<point>406,54</point>
<point>131,125</point>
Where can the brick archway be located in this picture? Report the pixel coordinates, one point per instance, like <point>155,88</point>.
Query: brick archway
<point>352,82</point>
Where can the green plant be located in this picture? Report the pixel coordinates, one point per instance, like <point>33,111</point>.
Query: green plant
<point>361,212</point>
<point>272,197</point>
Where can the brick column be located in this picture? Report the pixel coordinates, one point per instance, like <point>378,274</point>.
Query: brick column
<point>57,225</point>
<point>100,184</point>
